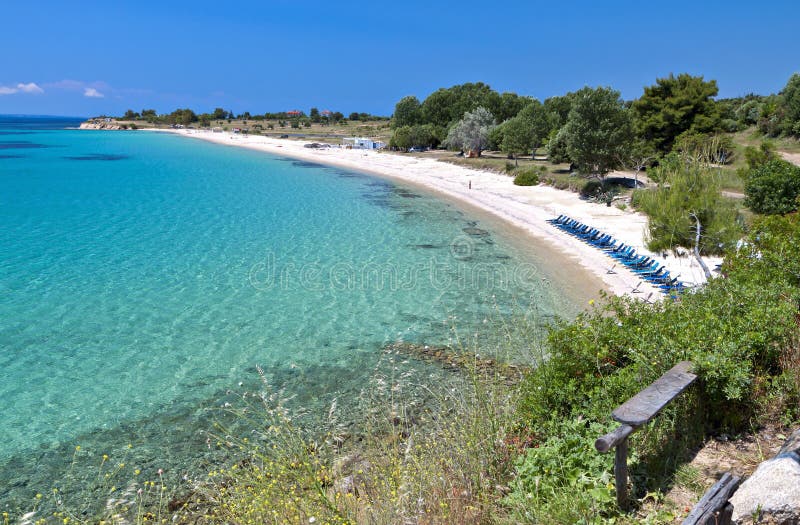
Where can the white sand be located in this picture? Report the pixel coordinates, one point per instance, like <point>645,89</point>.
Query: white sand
<point>525,207</point>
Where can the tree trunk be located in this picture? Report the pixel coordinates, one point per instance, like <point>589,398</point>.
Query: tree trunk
<point>698,230</point>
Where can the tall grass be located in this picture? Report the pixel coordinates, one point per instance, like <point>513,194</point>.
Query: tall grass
<point>446,459</point>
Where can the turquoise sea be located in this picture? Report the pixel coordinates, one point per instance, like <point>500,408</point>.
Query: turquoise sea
<point>144,276</point>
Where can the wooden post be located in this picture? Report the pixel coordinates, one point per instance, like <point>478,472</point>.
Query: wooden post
<point>636,412</point>
<point>621,473</point>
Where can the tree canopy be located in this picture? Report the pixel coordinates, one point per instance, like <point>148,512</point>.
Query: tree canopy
<point>407,112</point>
<point>791,106</point>
<point>772,187</point>
<point>472,131</point>
<point>446,106</point>
<point>675,105</point>
<point>686,209</point>
<point>558,109</point>
<point>524,132</point>
<point>419,135</point>
<point>598,130</point>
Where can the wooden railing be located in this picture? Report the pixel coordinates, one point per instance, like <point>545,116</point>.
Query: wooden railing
<point>637,411</point>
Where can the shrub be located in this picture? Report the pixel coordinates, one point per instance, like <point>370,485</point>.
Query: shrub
<point>592,188</point>
<point>755,157</point>
<point>773,188</point>
<point>527,177</point>
<point>566,466</point>
<point>717,149</point>
<point>739,331</point>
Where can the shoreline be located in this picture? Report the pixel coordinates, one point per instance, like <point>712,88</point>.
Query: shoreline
<point>525,207</point>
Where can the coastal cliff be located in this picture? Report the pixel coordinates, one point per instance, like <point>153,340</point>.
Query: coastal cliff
<point>103,123</point>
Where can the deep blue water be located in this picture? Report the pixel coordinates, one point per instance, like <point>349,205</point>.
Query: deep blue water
<point>143,275</point>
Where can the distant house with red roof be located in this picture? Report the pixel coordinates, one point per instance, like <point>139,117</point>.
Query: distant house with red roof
<point>294,113</point>
<point>326,113</point>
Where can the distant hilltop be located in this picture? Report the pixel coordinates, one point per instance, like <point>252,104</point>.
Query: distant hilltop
<point>105,123</point>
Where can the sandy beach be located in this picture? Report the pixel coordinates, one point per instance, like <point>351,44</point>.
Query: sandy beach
<point>526,207</point>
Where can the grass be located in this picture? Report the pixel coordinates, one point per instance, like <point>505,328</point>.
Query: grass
<point>445,463</point>
<point>751,137</point>
<point>556,175</point>
<point>112,491</point>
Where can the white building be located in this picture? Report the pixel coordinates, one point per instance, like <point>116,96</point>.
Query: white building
<point>362,143</point>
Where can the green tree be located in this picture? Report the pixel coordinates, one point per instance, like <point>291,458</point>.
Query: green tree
<point>558,109</point>
<point>540,122</point>
<point>675,105</point>
<point>790,102</point>
<point>130,115</point>
<point>687,210</point>
<point>472,131</point>
<point>444,107</point>
<point>403,138</point>
<point>598,131</point>
<point>771,116</point>
<point>182,116</point>
<point>557,147</point>
<point>524,132</point>
<point>772,188</point>
<point>219,114</point>
<point>516,137</point>
<point>509,106</point>
<point>407,112</point>
<point>314,115</point>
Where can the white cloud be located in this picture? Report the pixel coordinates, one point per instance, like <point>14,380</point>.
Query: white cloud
<point>92,93</point>
<point>30,87</point>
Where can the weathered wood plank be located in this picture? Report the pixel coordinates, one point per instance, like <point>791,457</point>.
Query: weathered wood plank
<point>621,473</point>
<point>642,407</point>
<point>712,509</point>
<point>605,443</point>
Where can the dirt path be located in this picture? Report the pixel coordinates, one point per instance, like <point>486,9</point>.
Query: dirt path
<point>794,158</point>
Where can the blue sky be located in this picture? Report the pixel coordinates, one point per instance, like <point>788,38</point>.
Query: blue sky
<point>91,57</point>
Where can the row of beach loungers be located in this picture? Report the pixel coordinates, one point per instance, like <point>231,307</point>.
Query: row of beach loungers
<point>643,266</point>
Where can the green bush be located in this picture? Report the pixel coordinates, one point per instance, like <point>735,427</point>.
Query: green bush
<point>527,177</point>
<point>740,333</point>
<point>592,188</point>
<point>773,187</point>
<point>568,467</point>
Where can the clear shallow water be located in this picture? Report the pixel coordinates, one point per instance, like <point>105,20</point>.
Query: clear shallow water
<point>143,275</point>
